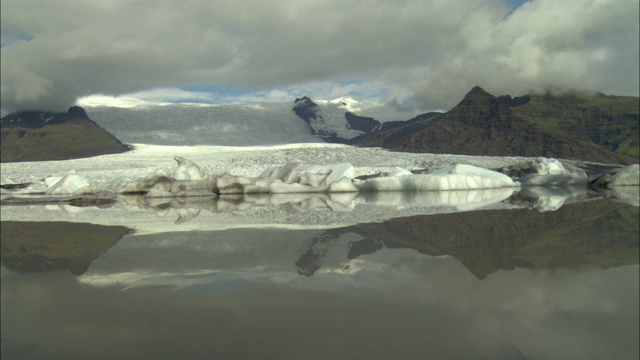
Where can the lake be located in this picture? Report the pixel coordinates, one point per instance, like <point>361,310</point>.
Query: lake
<point>264,278</point>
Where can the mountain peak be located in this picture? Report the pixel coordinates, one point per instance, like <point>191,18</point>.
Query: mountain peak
<point>478,93</point>
<point>77,111</point>
<point>304,101</point>
<point>478,106</point>
<point>37,119</point>
<point>478,89</point>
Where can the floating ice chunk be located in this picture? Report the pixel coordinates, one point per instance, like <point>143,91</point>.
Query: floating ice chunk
<point>187,170</point>
<point>313,175</point>
<point>339,171</point>
<point>203,187</point>
<point>311,179</point>
<point>158,193</point>
<point>541,165</point>
<point>51,180</point>
<point>159,180</point>
<point>36,187</point>
<point>343,185</point>
<point>279,172</point>
<point>626,176</point>
<point>90,190</point>
<point>546,166</point>
<point>463,169</point>
<point>68,184</point>
<point>228,184</point>
<point>398,171</point>
<point>116,185</point>
<point>457,177</point>
<point>284,188</point>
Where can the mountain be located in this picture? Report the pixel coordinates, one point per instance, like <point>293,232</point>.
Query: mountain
<point>574,236</point>
<point>609,121</point>
<point>42,136</point>
<point>331,122</point>
<point>482,124</point>
<point>188,124</point>
<point>596,128</point>
<point>253,124</point>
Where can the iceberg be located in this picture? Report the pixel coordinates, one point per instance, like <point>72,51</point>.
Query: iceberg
<point>68,184</point>
<point>626,176</point>
<point>456,177</point>
<point>540,166</point>
<point>190,180</point>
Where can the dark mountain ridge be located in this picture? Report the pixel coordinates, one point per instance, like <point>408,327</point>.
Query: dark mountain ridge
<point>44,136</point>
<point>482,124</point>
<point>36,119</point>
<point>598,128</point>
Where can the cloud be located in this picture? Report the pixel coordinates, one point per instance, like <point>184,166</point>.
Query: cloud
<point>56,51</point>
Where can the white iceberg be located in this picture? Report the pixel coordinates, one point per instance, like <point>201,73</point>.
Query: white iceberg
<point>540,166</point>
<point>456,177</point>
<point>68,184</point>
<point>313,175</point>
<point>190,180</point>
<point>548,166</point>
<point>187,170</point>
<point>626,176</point>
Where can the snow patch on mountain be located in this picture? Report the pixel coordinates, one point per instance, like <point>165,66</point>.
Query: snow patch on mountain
<point>224,125</point>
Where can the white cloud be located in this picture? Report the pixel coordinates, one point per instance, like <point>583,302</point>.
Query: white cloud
<point>56,51</point>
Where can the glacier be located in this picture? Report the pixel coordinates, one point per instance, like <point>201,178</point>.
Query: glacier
<point>292,169</point>
<point>217,186</point>
<point>188,179</point>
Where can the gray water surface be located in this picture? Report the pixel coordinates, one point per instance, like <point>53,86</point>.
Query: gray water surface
<point>485,284</point>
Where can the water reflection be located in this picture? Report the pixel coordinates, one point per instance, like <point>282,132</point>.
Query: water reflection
<point>44,246</point>
<point>527,278</point>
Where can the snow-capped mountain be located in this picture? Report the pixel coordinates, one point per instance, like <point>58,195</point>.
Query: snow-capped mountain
<point>188,124</point>
<point>331,121</point>
<point>265,123</point>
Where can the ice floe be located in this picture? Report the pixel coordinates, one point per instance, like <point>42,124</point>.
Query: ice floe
<point>189,179</point>
<point>456,177</point>
<point>626,176</point>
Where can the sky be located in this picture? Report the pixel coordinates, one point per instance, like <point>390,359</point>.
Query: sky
<point>413,55</point>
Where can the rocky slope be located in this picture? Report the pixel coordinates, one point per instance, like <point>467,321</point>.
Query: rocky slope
<point>608,121</point>
<point>42,136</point>
<point>482,124</point>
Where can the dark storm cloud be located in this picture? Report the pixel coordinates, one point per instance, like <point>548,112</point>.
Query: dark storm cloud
<point>56,51</point>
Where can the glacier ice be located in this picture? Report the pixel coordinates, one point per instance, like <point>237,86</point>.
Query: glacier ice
<point>68,184</point>
<point>455,177</point>
<point>539,166</point>
<point>188,179</point>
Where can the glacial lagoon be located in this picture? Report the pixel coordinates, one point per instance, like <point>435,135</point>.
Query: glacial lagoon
<point>379,276</point>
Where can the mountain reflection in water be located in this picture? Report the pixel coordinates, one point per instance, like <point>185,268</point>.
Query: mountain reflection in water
<point>508,282</point>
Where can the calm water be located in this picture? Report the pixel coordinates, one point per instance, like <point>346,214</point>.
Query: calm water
<point>494,284</point>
